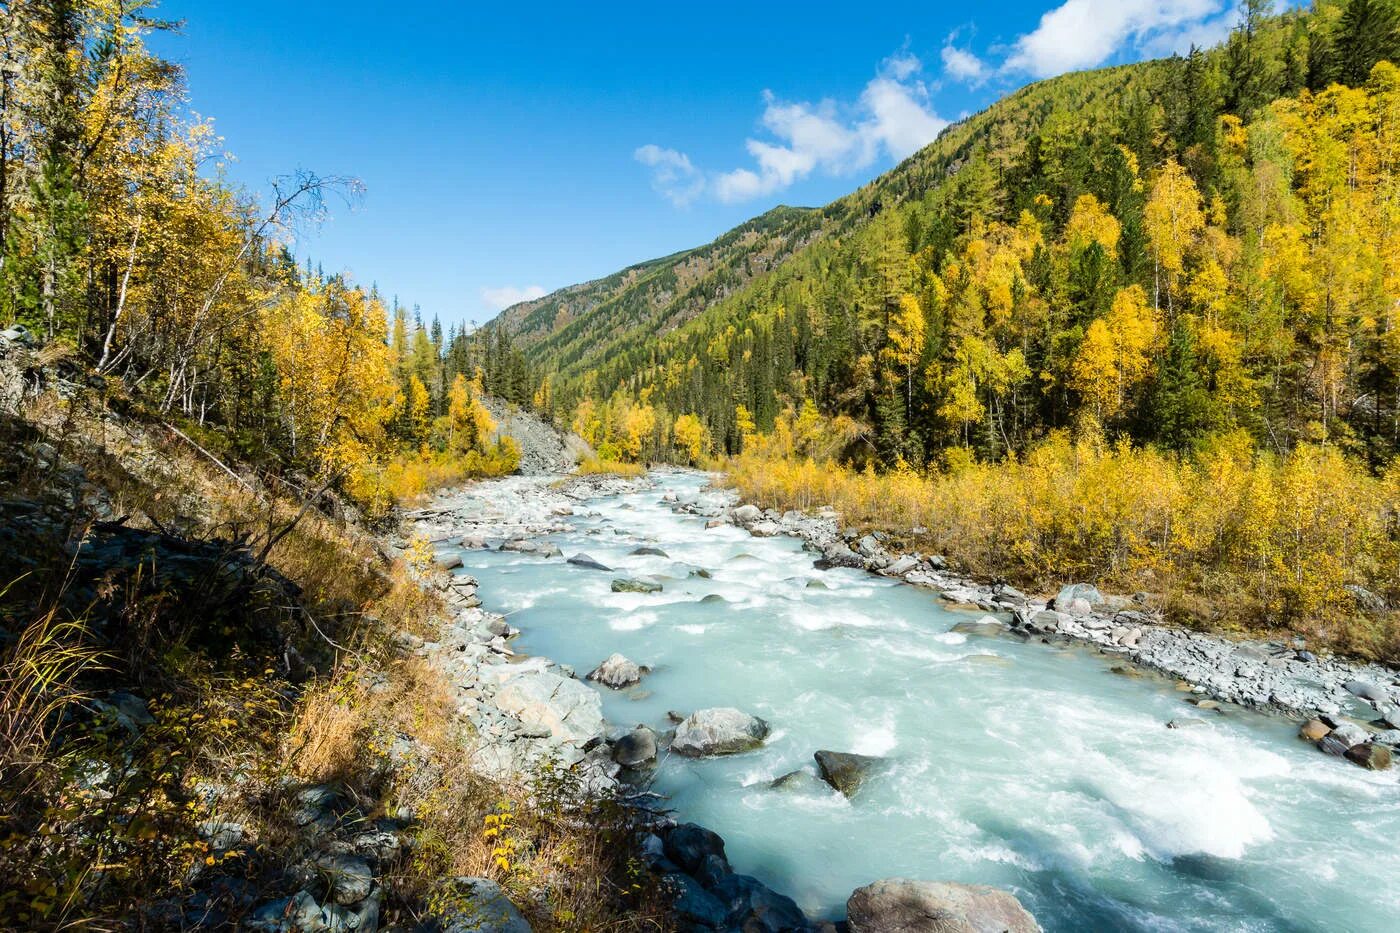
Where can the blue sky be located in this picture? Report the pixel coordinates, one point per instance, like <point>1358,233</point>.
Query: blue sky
<point>508,148</point>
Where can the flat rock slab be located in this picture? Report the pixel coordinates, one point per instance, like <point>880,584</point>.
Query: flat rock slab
<point>898,905</point>
<point>571,711</point>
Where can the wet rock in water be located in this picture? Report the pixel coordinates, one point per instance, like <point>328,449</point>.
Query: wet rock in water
<point>636,749</point>
<point>838,555</point>
<point>701,573</point>
<point>530,546</point>
<point>1313,730</point>
<point>698,851</point>
<point>1389,737</point>
<point>473,543</point>
<point>478,905</point>
<point>1370,755</point>
<point>1366,691</point>
<point>348,877</point>
<point>1078,598</point>
<point>720,731</point>
<point>713,598</point>
<point>846,771</point>
<point>1185,722</point>
<point>715,523</point>
<point>986,627</point>
<point>751,905</point>
<point>616,672</point>
<point>632,585</point>
<point>793,781</point>
<point>817,585</point>
<point>1389,716</point>
<point>588,563</point>
<point>898,905</point>
<point>747,514</point>
<point>647,550</point>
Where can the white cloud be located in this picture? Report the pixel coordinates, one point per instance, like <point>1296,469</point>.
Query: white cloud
<point>961,64</point>
<point>672,175</point>
<point>893,116</point>
<point>498,299</point>
<point>1085,33</point>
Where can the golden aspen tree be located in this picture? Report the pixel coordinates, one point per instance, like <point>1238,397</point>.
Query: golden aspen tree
<point>1116,355</point>
<point>1173,220</point>
<point>691,438</point>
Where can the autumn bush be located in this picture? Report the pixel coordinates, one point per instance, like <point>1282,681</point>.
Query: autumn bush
<point>1229,535</point>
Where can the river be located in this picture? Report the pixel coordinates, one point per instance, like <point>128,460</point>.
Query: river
<point>1018,764</point>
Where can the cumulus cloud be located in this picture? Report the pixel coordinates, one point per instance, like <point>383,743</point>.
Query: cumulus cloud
<point>962,65</point>
<point>498,299</point>
<point>672,175</point>
<point>892,117</point>
<point>1081,34</point>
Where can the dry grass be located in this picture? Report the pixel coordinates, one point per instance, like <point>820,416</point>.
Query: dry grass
<point>591,466</point>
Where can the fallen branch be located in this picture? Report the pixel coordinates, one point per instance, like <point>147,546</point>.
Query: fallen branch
<point>216,461</point>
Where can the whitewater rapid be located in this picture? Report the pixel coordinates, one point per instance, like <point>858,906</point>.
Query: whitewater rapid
<point>1019,764</point>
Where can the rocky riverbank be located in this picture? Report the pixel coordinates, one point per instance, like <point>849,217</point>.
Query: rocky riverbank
<point>530,712</point>
<point>1358,704</point>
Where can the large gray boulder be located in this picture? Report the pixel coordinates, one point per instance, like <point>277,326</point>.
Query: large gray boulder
<point>722,731</point>
<point>747,514</point>
<point>898,905</point>
<point>616,672</point>
<point>1078,598</point>
<point>567,708</point>
<point>478,905</point>
<point>348,877</point>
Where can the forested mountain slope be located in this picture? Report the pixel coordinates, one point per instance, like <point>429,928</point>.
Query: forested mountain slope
<point>1175,248</point>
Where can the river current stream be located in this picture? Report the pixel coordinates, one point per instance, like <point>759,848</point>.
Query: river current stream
<point>1028,766</point>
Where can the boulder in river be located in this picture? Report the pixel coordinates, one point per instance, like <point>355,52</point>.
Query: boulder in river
<point>633,585</point>
<point>846,771</point>
<point>698,852</point>
<point>636,749</point>
<point>588,563</point>
<point>567,708</point>
<point>616,672</point>
<point>793,781</point>
<point>647,550</point>
<point>1370,755</point>
<point>720,731</point>
<point>898,905</point>
<point>531,546</point>
<point>1313,730</point>
<point>747,514</point>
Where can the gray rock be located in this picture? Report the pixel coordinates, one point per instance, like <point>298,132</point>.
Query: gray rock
<point>362,917</point>
<point>566,707</point>
<point>846,771</point>
<point>588,563</point>
<point>753,907</point>
<point>616,672</point>
<point>694,904</point>
<point>986,627</point>
<point>348,877</point>
<point>747,514</point>
<point>449,561</point>
<point>898,905</point>
<point>636,749</point>
<point>649,551</point>
<point>1185,722</point>
<point>478,905</point>
<point>296,914</point>
<point>794,781</point>
<point>900,566</point>
<point>629,585</point>
<point>721,731</point>
<point>1066,599</point>
<point>838,555</point>
<point>698,851</point>
<point>765,529</point>
<point>1365,599</point>
<point>1366,691</point>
